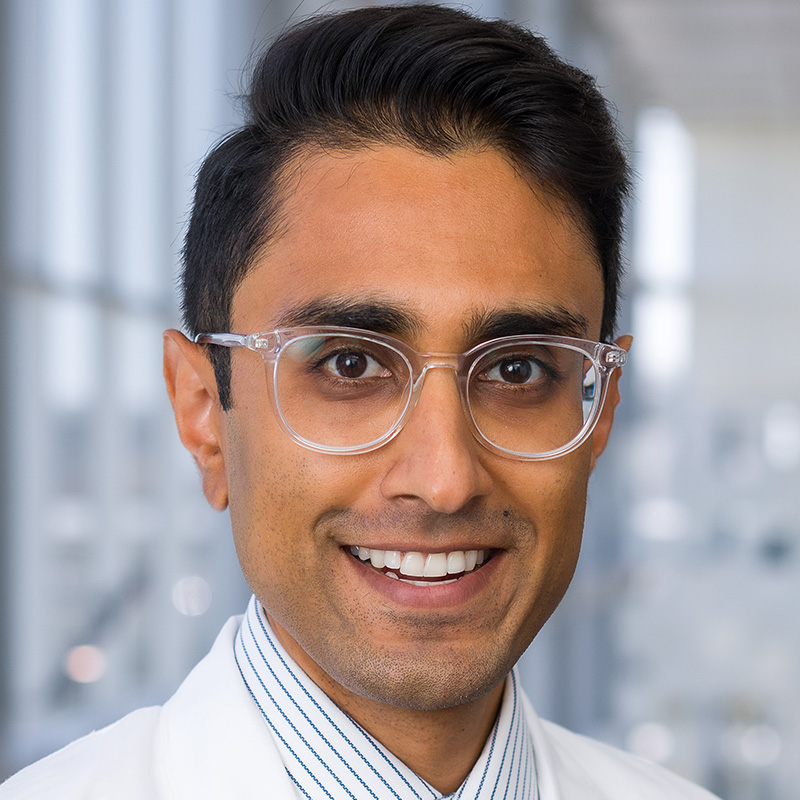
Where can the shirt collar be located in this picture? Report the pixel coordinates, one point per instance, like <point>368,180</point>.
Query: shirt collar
<point>327,754</point>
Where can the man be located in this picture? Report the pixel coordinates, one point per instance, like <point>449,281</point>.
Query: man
<point>400,278</point>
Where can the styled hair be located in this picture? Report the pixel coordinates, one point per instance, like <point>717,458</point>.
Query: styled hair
<point>423,76</point>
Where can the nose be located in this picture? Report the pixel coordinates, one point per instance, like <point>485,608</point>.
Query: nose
<point>435,460</point>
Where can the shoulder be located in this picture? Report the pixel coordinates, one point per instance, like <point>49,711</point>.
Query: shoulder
<point>116,761</point>
<point>577,767</point>
<point>135,757</point>
<point>621,774</point>
<point>207,741</point>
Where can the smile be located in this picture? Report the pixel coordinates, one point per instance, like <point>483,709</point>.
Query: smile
<point>426,568</point>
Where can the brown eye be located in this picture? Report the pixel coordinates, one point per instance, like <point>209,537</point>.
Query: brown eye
<point>515,371</point>
<point>350,365</point>
<point>354,365</point>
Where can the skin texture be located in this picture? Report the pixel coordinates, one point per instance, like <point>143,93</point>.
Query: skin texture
<point>445,240</point>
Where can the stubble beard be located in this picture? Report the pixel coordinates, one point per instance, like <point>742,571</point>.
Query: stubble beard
<point>427,678</point>
<point>432,673</point>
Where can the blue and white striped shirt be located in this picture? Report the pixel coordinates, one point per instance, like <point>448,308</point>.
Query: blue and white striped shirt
<point>328,755</point>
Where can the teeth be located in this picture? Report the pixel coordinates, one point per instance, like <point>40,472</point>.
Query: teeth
<point>456,562</point>
<point>413,565</point>
<point>420,565</point>
<point>392,558</point>
<point>435,565</point>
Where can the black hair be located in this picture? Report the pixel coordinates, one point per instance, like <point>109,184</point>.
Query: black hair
<point>423,76</point>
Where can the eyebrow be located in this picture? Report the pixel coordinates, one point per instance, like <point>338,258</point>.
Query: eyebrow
<point>386,317</point>
<point>524,321</point>
<point>371,315</point>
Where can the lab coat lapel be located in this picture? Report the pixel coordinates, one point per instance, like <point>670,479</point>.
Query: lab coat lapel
<point>213,740</point>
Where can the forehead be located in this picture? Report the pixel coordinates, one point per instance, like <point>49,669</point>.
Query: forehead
<point>442,241</point>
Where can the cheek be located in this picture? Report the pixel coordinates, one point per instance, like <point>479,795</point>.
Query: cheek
<point>267,487</point>
<point>267,472</point>
<point>278,493</point>
<point>565,526</point>
<point>553,495</point>
<point>566,503</point>
<point>556,502</point>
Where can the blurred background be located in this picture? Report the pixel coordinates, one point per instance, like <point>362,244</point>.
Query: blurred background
<point>680,638</point>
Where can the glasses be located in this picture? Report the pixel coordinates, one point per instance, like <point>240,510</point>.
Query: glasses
<point>348,391</point>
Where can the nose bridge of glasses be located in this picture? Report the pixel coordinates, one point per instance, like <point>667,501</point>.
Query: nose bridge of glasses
<point>429,361</point>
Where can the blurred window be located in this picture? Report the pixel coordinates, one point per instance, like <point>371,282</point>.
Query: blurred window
<point>111,106</point>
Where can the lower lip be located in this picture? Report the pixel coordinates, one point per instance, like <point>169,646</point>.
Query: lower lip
<point>430,595</point>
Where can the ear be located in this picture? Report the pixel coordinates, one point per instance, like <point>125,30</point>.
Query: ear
<point>603,428</point>
<point>192,390</point>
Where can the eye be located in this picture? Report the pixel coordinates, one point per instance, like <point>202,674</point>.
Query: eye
<point>515,370</point>
<point>354,365</point>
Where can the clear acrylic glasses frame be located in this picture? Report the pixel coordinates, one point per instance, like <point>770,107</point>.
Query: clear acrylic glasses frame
<point>604,357</point>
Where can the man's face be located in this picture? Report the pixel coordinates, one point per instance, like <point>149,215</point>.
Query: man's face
<point>457,248</point>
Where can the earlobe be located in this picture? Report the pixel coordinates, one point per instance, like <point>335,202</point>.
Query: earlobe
<point>603,428</point>
<point>192,391</point>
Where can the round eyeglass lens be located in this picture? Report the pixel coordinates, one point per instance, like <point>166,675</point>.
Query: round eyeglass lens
<point>341,391</point>
<point>531,398</point>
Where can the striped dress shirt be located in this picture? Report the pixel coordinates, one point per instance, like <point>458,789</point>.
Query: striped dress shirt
<point>328,755</point>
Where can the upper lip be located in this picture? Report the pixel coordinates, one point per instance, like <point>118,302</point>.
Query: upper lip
<point>410,547</point>
<point>422,532</point>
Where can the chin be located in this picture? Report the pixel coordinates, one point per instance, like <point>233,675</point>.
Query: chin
<point>421,682</point>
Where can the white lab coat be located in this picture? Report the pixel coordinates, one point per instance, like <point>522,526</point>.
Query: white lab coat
<point>209,742</point>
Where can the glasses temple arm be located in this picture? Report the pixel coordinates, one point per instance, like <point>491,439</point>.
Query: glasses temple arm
<point>222,339</point>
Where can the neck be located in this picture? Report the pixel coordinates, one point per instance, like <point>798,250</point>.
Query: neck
<point>440,746</point>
